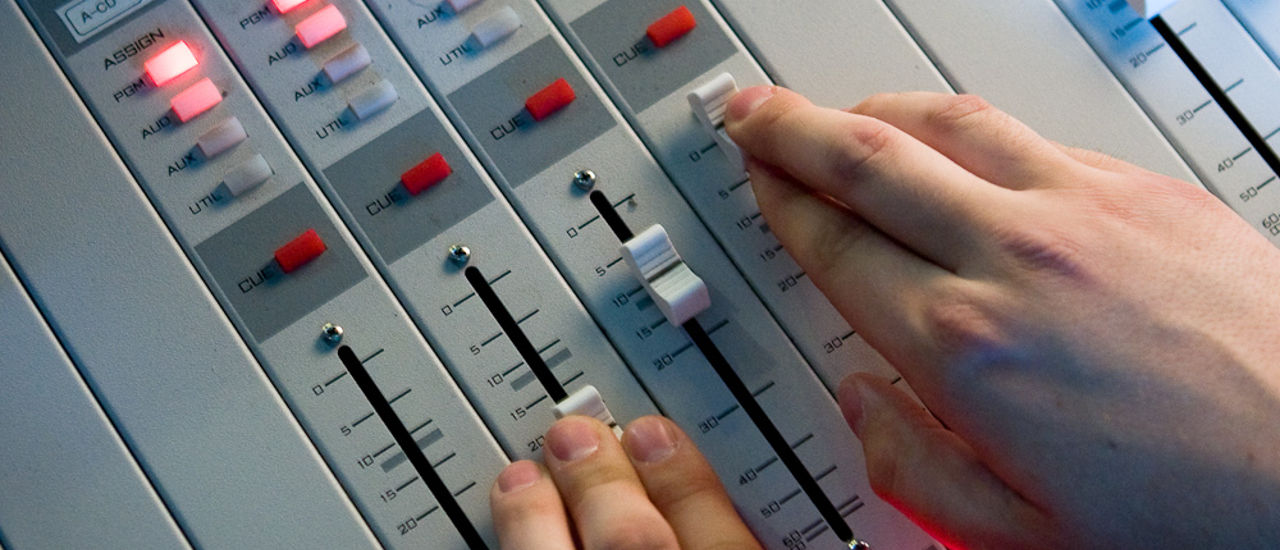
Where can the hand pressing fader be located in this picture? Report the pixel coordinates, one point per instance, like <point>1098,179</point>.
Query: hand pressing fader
<point>1100,343</point>
<point>652,490</point>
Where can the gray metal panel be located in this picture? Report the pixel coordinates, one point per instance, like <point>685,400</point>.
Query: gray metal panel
<point>835,52</point>
<point>1038,68</point>
<point>238,256</point>
<point>368,181</point>
<point>54,495</point>
<point>186,395</point>
<point>493,101</point>
<point>630,60</point>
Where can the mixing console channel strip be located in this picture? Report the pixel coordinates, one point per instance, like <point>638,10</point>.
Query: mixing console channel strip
<point>367,251</point>
<point>424,210</point>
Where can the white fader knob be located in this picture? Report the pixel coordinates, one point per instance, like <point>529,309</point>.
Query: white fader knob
<point>709,102</point>
<point>1150,8</point>
<point>679,293</point>
<point>587,402</point>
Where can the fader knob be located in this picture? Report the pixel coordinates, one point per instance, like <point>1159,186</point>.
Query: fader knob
<point>1150,8</point>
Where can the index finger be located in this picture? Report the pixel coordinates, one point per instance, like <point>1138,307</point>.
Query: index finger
<point>909,191</point>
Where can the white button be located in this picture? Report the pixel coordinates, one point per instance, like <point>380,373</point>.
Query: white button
<point>320,26</point>
<point>678,292</point>
<point>709,102</point>
<point>347,63</point>
<point>222,137</point>
<point>200,97</point>
<point>372,101</point>
<point>251,173</point>
<point>459,5</point>
<point>496,27</point>
<point>587,402</point>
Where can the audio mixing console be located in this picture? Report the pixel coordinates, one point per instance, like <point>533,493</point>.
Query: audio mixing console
<point>309,273</point>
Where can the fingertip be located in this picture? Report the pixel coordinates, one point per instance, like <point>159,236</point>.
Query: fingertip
<point>850,398</point>
<point>748,101</point>
<point>571,439</point>
<point>860,395</point>
<point>650,439</point>
<point>518,475</point>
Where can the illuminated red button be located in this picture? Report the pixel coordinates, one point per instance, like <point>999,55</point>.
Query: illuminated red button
<point>170,63</point>
<point>286,6</point>
<point>671,27</point>
<point>200,97</point>
<point>550,99</point>
<point>300,251</point>
<point>426,174</point>
<point>320,26</point>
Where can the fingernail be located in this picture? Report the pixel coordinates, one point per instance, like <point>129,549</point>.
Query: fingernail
<point>518,475</point>
<point>572,439</point>
<point>748,100</point>
<point>850,397</point>
<point>649,440</point>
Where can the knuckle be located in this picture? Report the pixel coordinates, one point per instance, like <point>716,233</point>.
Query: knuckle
<point>1041,249</point>
<point>964,325</point>
<point>860,147</point>
<point>961,115</point>
<point>958,110</point>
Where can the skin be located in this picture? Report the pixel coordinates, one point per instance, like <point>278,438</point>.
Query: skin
<point>1095,343</point>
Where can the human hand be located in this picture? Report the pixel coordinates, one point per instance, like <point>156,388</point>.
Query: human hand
<point>652,490</point>
<point>1099,341</point>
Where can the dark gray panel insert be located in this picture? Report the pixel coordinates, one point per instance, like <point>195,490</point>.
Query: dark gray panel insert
<point>236,255</point>
<point>491,102</point>
<point>642,73</point>
<point>368,182</point>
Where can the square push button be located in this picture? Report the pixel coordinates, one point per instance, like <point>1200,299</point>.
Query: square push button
<point>550,99</point>
<point>300,251</point>
<point>671,27</point>
<point>222,137</point>
<point>426,174</point>
<point>170,64</point>
<point>193,101</point>
<point>286,6</point>
<point>320,26</point>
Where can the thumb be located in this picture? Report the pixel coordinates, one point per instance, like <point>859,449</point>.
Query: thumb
<point>933,476</point>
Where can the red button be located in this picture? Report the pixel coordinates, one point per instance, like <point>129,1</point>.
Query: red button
<point>550,99</point>
<point>671,27</point>
<point>300,251</point>
<point>426,174</point>
<point>170,63</point>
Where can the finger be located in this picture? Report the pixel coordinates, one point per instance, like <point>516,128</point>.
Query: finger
<point>907,190</point>
<point>875,283</point>
<point>1101,161</point>
<point>527,512</point>
<point>931,475</point>
<point>979,137</point>
<point>604,496</point>
<point>682,485</point>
